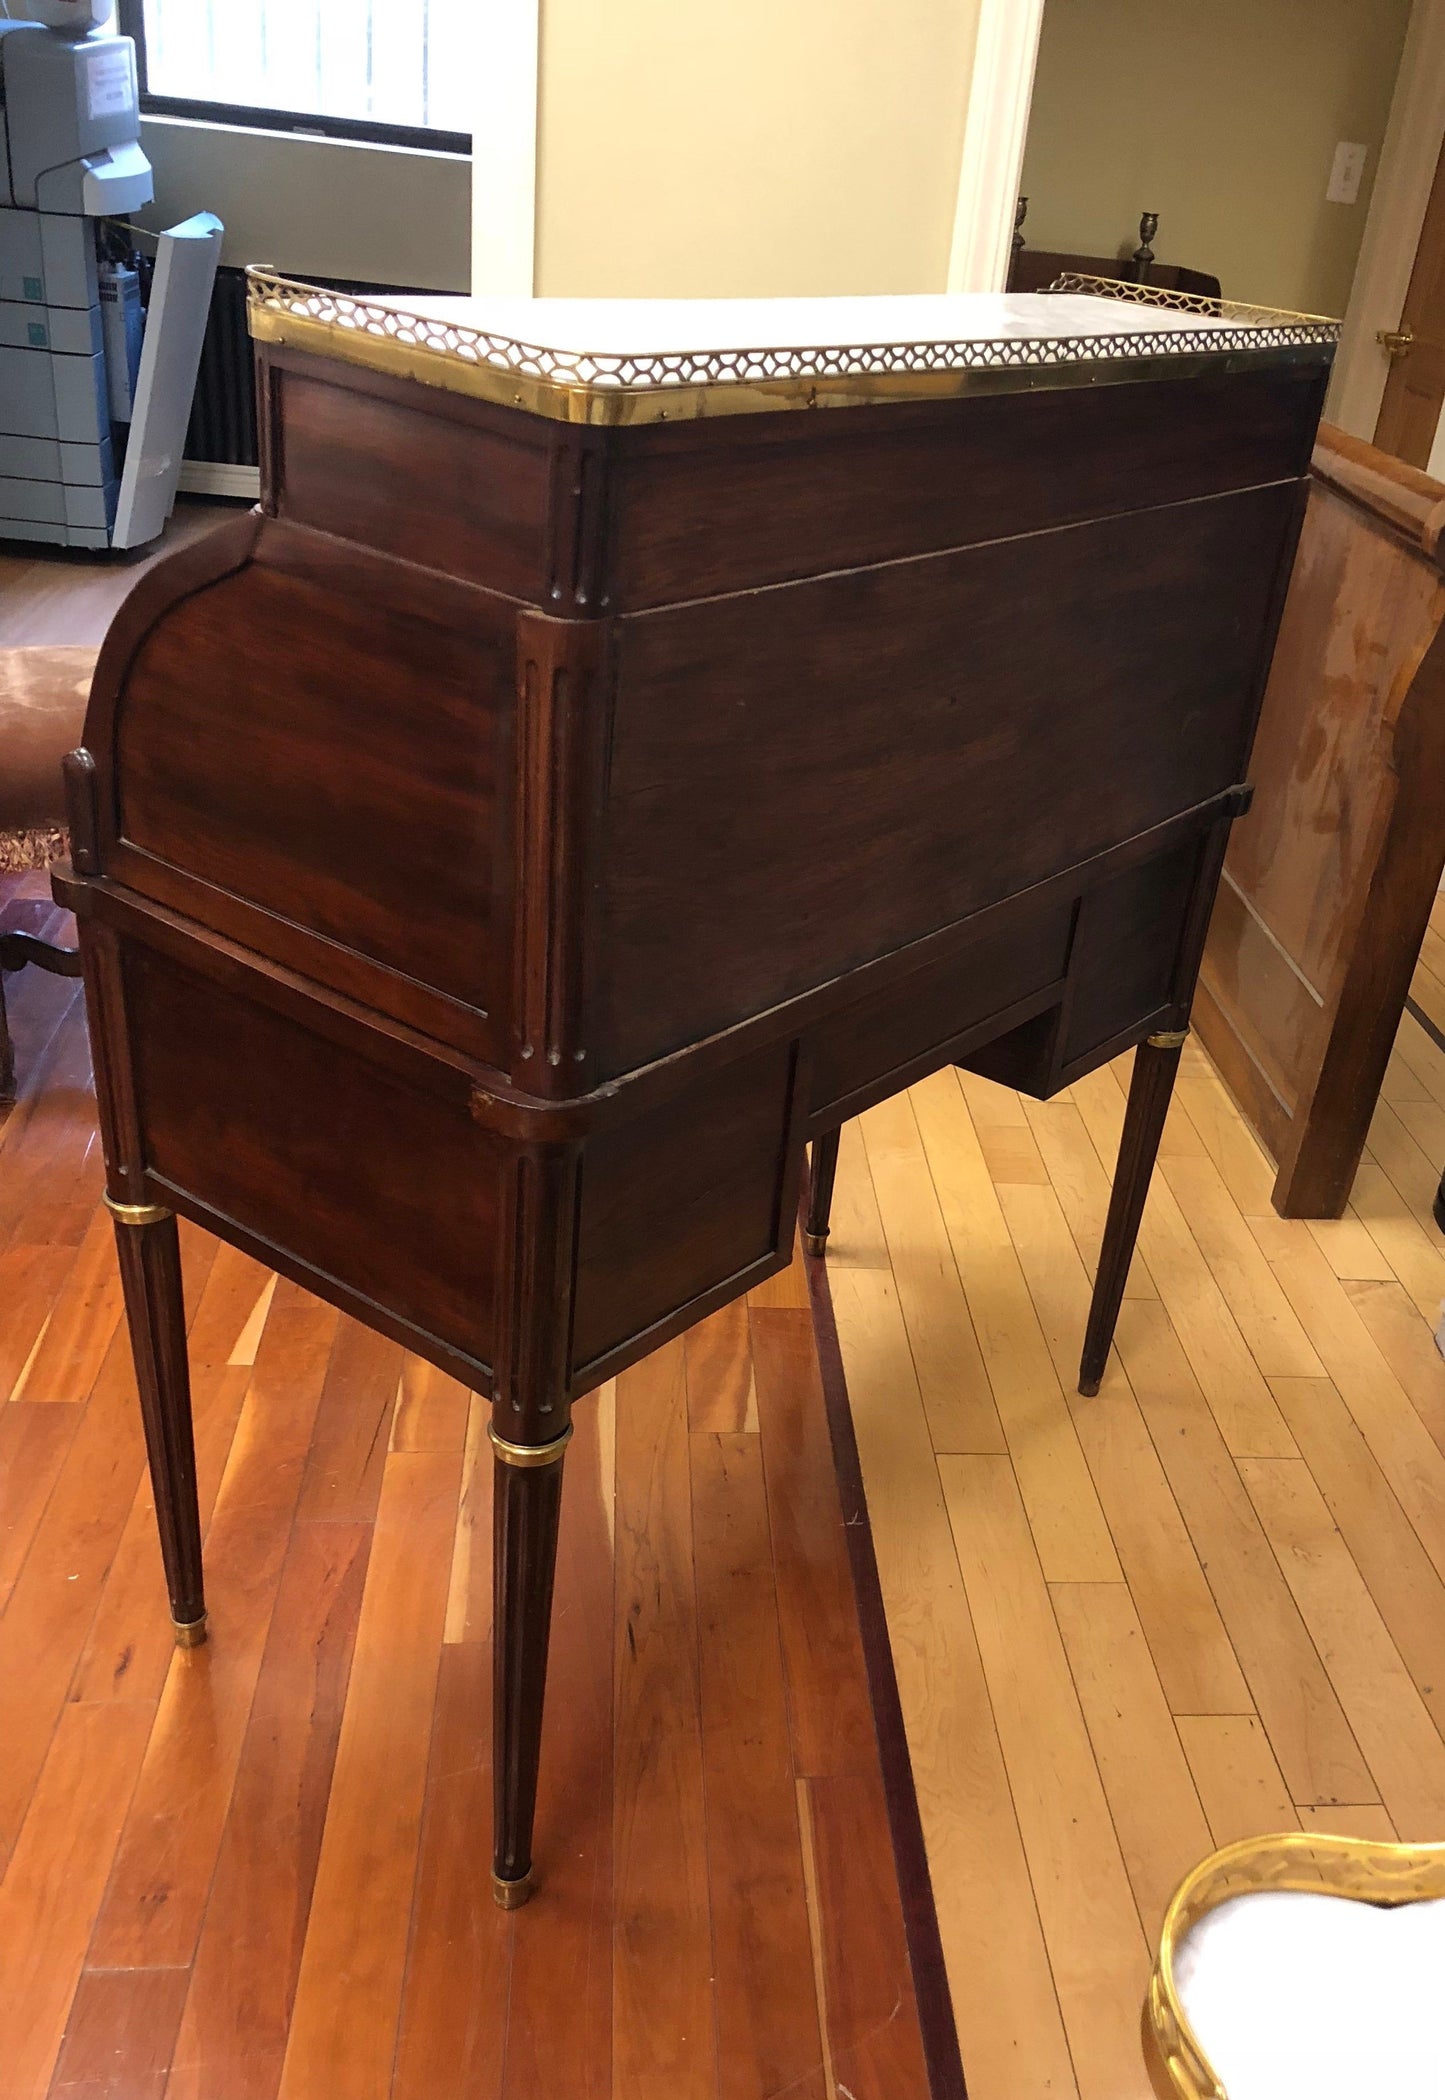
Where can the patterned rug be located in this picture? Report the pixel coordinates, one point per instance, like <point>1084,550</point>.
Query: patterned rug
<point>31,849</point>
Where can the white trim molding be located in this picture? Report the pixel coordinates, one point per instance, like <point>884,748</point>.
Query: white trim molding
<point>504,147</point>
<point>210,477</point>
<point>1403,181</point>
<point>1004,55</point>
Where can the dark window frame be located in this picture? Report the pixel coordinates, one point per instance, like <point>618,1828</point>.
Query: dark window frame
<point>130,21</point>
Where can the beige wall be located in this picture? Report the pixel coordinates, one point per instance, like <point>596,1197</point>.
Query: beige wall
<point>755,148</point>
<point>384,214</point>
<point>1222,116</point>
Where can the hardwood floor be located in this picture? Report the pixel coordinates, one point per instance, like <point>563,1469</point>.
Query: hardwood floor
<point>259,1870</point>
<point>60,597</point>
<point>1208,1603</point>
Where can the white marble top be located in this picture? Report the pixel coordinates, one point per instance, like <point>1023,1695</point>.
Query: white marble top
<point>629,359</point>
<point>664,327</point>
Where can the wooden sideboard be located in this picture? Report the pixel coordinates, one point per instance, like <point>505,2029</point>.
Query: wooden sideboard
<point>1327,890</point>
<point>594,773</point>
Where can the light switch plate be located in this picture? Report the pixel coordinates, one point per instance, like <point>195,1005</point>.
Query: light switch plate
<point>1346,173</point>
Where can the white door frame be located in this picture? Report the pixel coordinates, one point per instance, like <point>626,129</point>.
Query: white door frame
<point>504,146</point>
<point>1005,52</point>
<point>1408,157</point>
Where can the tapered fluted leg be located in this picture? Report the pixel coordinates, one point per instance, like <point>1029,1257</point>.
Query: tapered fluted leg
<point>150,1271</point>
<point>820,1191</point>
<point>525,1511</point>
<point>1156,1061</point>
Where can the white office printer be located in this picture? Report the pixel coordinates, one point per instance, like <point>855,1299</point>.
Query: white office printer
<point>94,395</point>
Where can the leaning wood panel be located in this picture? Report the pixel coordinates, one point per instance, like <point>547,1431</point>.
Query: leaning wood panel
<point>1328,885</point>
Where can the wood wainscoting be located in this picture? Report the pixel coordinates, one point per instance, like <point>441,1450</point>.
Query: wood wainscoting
<point>1330,879</point>
<point>259,1870</point>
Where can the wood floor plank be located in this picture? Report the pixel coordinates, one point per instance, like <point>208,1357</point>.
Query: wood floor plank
<point>1415,1172</point>
<point>1361,1822</point>
<point>1156,1811</point>
<point>1239,1782</point>
<point>568,1959</point>
<point>34,1441</point>
<point>154,1906</point>
<point>1004,1997</point>
<point>855,1235</point>
<point>1353,1254</point>
<point>120,2034</point>
<point>353,1422</point>
<point>469,1584</point>
<point>48,1149</point>
<point>1407,1343</point>
<point>957,1397</point>
<point>452,2032</point>
<point>1271,1328</point>
<point>348,1993</point>
<point>1286,1678</point>
<point>1246,1168</point>
<point>874,2048</point>
<point>764,2002</point>
<point>233,2032</point>
<point>1416,1049</point>
<point>1186,1636</point>
<point>1219,1356</point>
<point>31,1278</point>
<point>1415,1257</point>
<point>991,1106</point>
<point>719,1364</point>
<point>830,1719</point>
<point>55,1595</point>
<point>1064,1514</point>
<point>1425,1121</point>
<point>1011,1155</point>
<point>1389,1719</point>
<point>52,1886</point>
<point>431,1409</point>
<point>664,2044</point>
<point>1081,1184</point>
<point>83,1318</point>
<point>1405,1588</point>
<point>1409,1457</point>
<point>1091,1923</point>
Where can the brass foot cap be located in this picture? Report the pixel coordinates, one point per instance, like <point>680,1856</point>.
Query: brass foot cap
<point>511,1895</point>
<point>816,1242</point>
<point>192,1633</point>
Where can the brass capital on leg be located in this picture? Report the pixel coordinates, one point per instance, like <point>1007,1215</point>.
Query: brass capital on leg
<point>137,1213</point>
<point>530,1454</point>
<point>1168,1039</point>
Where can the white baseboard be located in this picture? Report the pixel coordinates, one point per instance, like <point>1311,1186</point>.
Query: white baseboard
<point>208,477</point>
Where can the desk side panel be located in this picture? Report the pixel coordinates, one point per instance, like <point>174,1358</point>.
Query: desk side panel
<point>354,1172</point>
<point>786,496</point>
<point>807,778</point>
<point>314,754</point>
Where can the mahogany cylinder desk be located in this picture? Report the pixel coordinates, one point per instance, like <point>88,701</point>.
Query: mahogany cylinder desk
<point>629,739</point>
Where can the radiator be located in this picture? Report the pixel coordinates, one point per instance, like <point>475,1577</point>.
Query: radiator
<point>221,456</point>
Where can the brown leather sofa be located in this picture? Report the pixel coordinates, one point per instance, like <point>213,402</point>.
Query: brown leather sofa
<point>42,712</point>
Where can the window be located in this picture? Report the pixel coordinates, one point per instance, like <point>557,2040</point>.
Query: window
<point>393,70</point>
